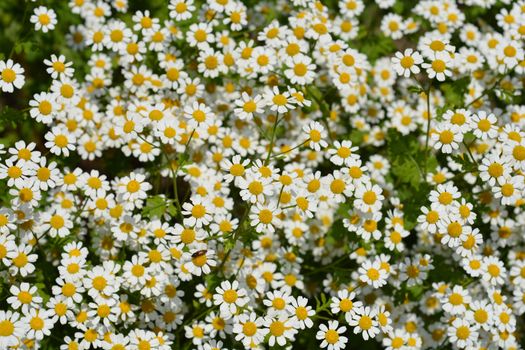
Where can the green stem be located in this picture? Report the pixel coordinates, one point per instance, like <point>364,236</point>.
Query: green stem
<point>19,40</point>
<point>272,140</point>
<point>427,137</point>
<point>235,234</point>
<point>174,180</point>
<point>280,195</point>
<point>291,149</point>
<point>324,110</point>
<point>469,152</point>
<point>489,89</point>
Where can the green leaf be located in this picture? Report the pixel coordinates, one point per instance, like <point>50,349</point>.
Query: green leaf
<point>317,303</point>
<point>415,89</point>
<point>10,118</point>
<point>416,292</point>
<point>407,170</point>
<point>155,206</point>
<point>42,291</point>
<point>171,210</point>
<point>356,136</point>
<point>466,163</point>
<point>323,298</point>
<point>398,7</point>
<point>406,157</point>
<point>455,91</point>
<point>376,45</point>
<point>505,95</point>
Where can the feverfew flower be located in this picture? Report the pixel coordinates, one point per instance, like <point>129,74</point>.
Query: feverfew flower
<point>44,19</point>
<point>331,336</point>
<point>11,76</point>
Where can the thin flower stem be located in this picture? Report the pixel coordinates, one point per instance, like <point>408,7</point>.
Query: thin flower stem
<point>143,139</point>
<point>261,131</point>
<point>174,172</point>
<point>174,180</point>
<point>469,152</point>
<point>324,110</point>
<point>272,140</point>
<point>427,137</point>
<point>491,88</point>
<point>291,149</point>
<point>280,195</point>
<point>235,234</point>
<point>28,32</point>
<point>77,214</point>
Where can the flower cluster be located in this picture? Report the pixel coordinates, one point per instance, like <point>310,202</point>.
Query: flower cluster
<point>273,178</point>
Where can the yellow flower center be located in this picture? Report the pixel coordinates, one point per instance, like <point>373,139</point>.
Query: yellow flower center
<point>300,69</point>
<point>519,153</point>
<point>279,100</point>
<point>255,187</point>
<point>365,323</point>
<point>315,135</point>
<point>369,197</point>
<point>331,336</point>
<point>249,328</point>
<point>373,274</point>
<point>25,297</point>
<point>133,186</point>
<point>8,75</point>
<point>277,328</point>
<point>7,328</point>
<point>69,289</point>
<point>137,270</point>
<point>44,19</point>
<point>446,137</point>
<point>14,172</point>
<point>99,283</point>
<point>507,190</point>
<point>56,221</point>
<point>20,260</point>
<point>455,299</point>
<point>250,107</point>
<point>230,296</point>
<point>61,141</point>
<point>198,211</point>
<point>407,62</point>
<point>439,66</point>
<point>462,332</point>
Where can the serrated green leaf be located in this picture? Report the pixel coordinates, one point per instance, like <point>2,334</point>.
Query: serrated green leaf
<point>155,207</point>
<point>407,170</point>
